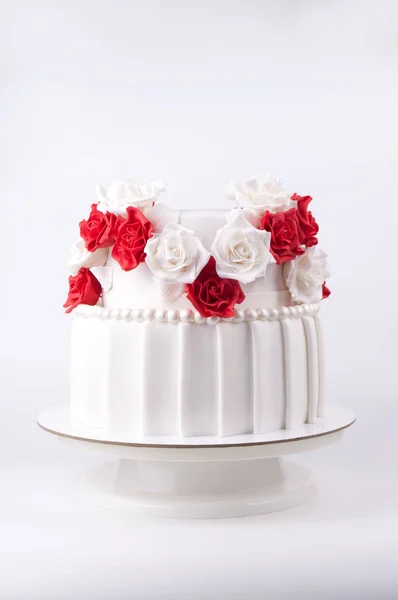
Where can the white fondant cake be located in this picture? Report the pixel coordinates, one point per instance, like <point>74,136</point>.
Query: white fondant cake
<point>197,323</point>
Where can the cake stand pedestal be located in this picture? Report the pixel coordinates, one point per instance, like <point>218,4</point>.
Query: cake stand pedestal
<point>201,477</point>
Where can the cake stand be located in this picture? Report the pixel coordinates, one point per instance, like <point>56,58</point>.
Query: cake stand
<point>201,477</point>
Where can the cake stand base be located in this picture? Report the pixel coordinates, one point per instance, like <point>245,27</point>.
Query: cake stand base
<point>201,477</point>
<point>201,490</point>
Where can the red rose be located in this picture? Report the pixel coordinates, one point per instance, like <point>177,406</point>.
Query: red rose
<point>325,291</point>
<point>308,227</point>
<point>84,288</point>
<point>213,296</point>
<point>132,236</point>
<point>285,241</point>
<point>99,230</point>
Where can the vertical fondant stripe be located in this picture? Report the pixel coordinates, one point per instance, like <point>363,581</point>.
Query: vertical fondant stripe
<point>124,387</point>
<point>180,376</point>
<point>321,368</point>
<point>144,375</point>
<point>235,403</point>
<point>80,354</point>
<point>254,388</point>
<point>89,373</point>
<point>199,381</point>
<point>160,384</point>
<point>289,372</point>
<point>267,386</point>
<point>312,366</point>
<point>222,376</point>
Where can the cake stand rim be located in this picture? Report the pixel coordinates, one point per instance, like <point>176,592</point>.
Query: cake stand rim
<point>193,446</point>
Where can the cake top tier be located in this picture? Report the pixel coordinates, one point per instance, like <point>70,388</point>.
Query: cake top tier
<point>136,252</point>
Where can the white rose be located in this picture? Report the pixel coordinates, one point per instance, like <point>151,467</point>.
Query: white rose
<point>241,251</point>
<point>305,275</point>
<point>264,194</point>
<point>81,257</point>
<point>122,194</point>
<point>176,255</point>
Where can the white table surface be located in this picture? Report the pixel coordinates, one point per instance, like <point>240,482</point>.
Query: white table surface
<point>55,543</point>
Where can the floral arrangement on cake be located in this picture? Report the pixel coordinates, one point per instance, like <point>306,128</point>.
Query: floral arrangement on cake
<point>267,225</point>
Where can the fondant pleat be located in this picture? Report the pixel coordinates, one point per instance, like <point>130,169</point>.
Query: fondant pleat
<point>312,367</point>
<point>124,386</point>
<point>160,382</point>
<point>89,373</point>
<point>198,380</point>
<point>267,376</point>
<point>321,368</point>
<point>296,377</point>
<point>289,372</point>
<point>235,406</point>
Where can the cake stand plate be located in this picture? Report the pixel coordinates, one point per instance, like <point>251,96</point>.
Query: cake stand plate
<point>201,477</point>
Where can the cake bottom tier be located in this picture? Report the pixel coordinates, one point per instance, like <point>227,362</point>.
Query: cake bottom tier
<point>147,377</point>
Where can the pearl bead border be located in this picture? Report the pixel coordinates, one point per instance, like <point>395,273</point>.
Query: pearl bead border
<point>190,316</point>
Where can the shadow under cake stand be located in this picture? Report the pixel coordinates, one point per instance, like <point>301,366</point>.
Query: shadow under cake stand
<point>202,477</point>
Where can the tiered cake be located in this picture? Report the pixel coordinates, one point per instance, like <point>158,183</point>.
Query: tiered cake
<point>197,322</point>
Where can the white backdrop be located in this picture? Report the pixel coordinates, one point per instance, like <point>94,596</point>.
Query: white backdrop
<point>197,93</point>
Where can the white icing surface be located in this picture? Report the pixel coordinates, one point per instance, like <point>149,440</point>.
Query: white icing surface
<point>148,377</point>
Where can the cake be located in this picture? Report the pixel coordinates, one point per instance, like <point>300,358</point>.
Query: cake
<point>197,322</point>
